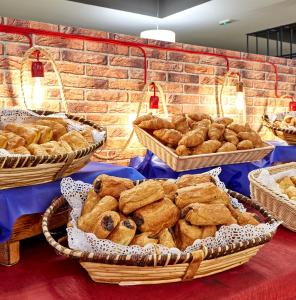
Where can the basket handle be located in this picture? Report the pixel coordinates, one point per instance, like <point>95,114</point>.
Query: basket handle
<point>197,258</point>
<point>47,55</point>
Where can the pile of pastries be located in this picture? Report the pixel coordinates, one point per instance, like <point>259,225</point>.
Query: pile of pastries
<point>288,186</point>
<point>288,121</point>
<point>43,136</point>
<point>167,212</point>
<point>200,134</point>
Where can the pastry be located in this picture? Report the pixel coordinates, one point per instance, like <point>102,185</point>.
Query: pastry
<point>75,140</point>
<point>156,216</point>
<point>207,147</point>
<point>285,183</point>
<point>243,218</point>
<point>20,150</point>
<point>45,133</point>
<point>182,150</point>
<point>227,147</point>
<point>54,148</point>
<point>231,136</point>
<point>208,231</point>
<point>124,232</point>
<point>193,179</point>
<point>291,192</point>
<point>87,221</point>
<point>216,131</point>
<point>166,238</point>
<point>199,117</point>
<point>169,137</point>
<point>192,138</point>
<point>156,123</point>
<point>92,199</point>
<point>13,140</point>
<point>110,185</point>
<point>144,239</point>
<point>87,133</point>
<point>293,179</point>
<point>236,127</point>
<point>202,192</point>
<point>106,223</point>
<point>3,141</point>
<point>208,214</point>
<point>58,129</point>
<point>224,121</point>
<point>143,118</point>
<point>29,133</point>
<point>37,150</point>
<point>244,145</point>
<point>251,136</point>
<point>142,194</point>
<point>203,127</point>
<point>186,234</point>
<point>170,188</point>
<point>181,123</point>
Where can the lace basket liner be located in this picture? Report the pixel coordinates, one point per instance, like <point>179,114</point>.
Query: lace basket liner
<point>20,116</point>
<point>75,193</point>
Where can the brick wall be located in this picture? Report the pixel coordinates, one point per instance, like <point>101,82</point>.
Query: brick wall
<point>104,83</point>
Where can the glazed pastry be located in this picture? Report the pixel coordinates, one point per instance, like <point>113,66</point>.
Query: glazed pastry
<point>186,234</point>
<point>192,138</point>
<point>3,141</point>
<point>75,140</point>
<point>110,185</point>
<point>142,194</point>
<point>199,117</point>
<point>144,239</point>
<point>45,133</point>
<point>285,183</point>
<point>227,147</point>
<point>124,232</point>
<point>224,121</point>
<point>170,188</point>
<point>156,123</point>
<point>244,145</point>
<point>181,123</point>
<point>143,118</point>
<point>208,231</point>
<point>182,150</point>
<point>106,223</point>
<point>207,147</point>
<point>30,134</point>
<point>208,214</point>
<point>193,179</point>
<point>216,131</point>
<point>236,127</point>
<point>169,137</point>
<point>231,136</point>
<point>90,202</point>
<point>58,129</point>
<point>251,136</point>
<point>201,192</point>
<point>13,140</point>
<point>166,238</point>
<point>87,134</point>
<point>88,221</point>
<point>20,150</point>
<point>156,216</point>
<point>37,150</point>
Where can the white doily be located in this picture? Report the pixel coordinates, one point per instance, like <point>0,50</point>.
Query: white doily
<point>75,193</point>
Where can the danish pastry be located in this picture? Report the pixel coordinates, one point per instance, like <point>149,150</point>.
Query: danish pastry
<point>36,149</point>
<point>75,140</point>
<point>90,202</point>
<point>13,140</point>
<point>166,238</point>
<point>20,150</point>
<point>144,239</point>
<point>193,179</point>
<point>58,129</point>
<point>106,223</point>
<point>124,232</point>
<point>30,134</point>
<point>3,141</point>
<point>45,133</point>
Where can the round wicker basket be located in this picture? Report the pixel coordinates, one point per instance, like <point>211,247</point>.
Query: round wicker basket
<point>158,268</point>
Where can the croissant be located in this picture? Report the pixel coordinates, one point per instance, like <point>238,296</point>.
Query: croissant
<point>244,145</point>
<point>227,147</point>
<point>143,118</point>
<point>224,121</point>
<point>198,117</point>
<point>251,136</point>
<point>236,127</point>
<point>285,183</point>
<point>203,127</point>
<point>182,150</point>
<point>216,131</point>
<point>181,123</point>
<point>192,138</point>
<point>168,136</point>
<point>156,123</point>
<point>210,146</point>
<point>231,136</point>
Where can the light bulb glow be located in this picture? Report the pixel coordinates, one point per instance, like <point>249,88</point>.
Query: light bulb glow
<point>37,93</point>
<point>159,34</point>
<point>240,101</point>
<point>131,118</point>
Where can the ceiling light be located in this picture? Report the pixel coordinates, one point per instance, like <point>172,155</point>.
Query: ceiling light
<point>160,35</point>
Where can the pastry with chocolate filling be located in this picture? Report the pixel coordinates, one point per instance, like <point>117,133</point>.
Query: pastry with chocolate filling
<point>193,179</point>
<point>106,223</point>
<point>124,232</point>
<point>170,188</point>
<point>92,199</point>
<point>144,239</point>
<point>166,238</point>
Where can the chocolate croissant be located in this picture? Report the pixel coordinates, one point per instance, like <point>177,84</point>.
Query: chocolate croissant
<point>156,216</point>
<point>144,239</point>
<point>169,137</point>
<point>124,232</point>
<point>170,188</point>
<point>92,199</point>
<point>143,194</point>
<point>166,238</point>
<point>193,179</point>
<point>106,223</point>
<point>110,185</point>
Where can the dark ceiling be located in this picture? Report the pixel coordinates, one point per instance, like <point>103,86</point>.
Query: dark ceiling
<point>147,7</point>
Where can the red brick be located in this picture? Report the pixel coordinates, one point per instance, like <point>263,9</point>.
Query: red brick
<point>260,102</point>
<point>198,48</point>
<point>1,78</point>
<point>281,77</point>
<point>16,49</point>
<point>1,49</point>
<point>199,89</point>
<point>185,57</point>
<point>175,77</point>
<point>88,107</point>
<point>126,61</point>
<point>106,48</point>
<point>197,69</point>
<point>210,80</point>
<point>228,52</point>
<point>10,91</point>
<point>100,71</point>
<point>220,71</point>
<point>108,119</point>
<point>184,99</point>
<point>13,77</point>
<point>13,37</point>
<point>65,67</point>
<point>253,75</point>
<point>248,83</point>
<point>83,57</point>
<point>175,108</point>
<point>172,87</point>
<point>207,109</point>
<point>119,107</point>
<point>70,94</point>
<point>264,85</point>
<point>286,86</point>
<point>126,85</point>
<point>117,131</point>
<point>212,60</point>
<point>59,42</point>
<point>166,66</point>
<point>277,60</point>
<point>150,53</point>
<point>126,38</point>
<point>83,31</point>
<point>207,100</point>
<point>151,75</point>
<point>106,95</point>
<point>164,44</point>
<point>284,69</point>
<point>253,56</point>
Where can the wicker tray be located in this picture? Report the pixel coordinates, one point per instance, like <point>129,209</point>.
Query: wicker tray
<point>183,163</point>
<point>286,134</point>
<point>30,169</point>
<point>155,269</point>
<point>279,206</point>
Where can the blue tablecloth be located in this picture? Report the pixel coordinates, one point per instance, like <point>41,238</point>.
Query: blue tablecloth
<point>234,176</point>
<point>35,199</point>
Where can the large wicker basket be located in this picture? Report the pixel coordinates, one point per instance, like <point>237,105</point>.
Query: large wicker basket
<point>156,269</point>
<point>30,169</point>
<point>286,134</point>
<point>183,163</point>
<point>279,206</point>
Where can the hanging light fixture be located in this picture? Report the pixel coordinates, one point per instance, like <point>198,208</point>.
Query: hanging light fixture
<point>37,73</point>
<point>159,34</point>
<point>240,101</point>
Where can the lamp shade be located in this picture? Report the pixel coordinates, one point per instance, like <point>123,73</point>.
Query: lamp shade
<point>160,35</point>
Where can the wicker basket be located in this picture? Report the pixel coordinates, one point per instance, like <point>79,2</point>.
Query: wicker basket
<point>183,163</point>
<point>286,134</point>
<point>155,269</point>
<point>30,169</point>
<point>279,206</point>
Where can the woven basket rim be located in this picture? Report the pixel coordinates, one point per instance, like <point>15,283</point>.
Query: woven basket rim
<point>253,179</point>
<point>12,161</point>
<point>267,123</point>
<point>155,259</point>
